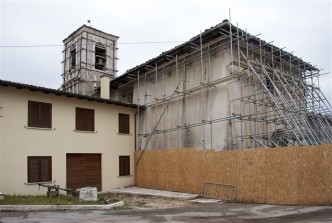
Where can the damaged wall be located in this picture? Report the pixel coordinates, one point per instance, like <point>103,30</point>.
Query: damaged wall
<point>289,176</point>
<point>190,106</point>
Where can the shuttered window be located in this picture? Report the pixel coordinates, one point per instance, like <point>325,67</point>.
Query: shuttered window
<point>124,123</point>
<point>39,169</point>
<point>39,114</point>
<point>85,119</point>
<point>124,165</point>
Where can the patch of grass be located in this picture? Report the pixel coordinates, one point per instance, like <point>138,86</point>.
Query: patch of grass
<point>141,203</point>
<point>130,201</point>
<point>43,200</point>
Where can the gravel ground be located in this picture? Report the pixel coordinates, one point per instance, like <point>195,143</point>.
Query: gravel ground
<point>145,201</point>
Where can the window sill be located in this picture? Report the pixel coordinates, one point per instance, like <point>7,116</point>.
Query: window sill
<point>99,70</point>
<point>125,176</point>
<point>128,134</point>
<point>38,128</point>
<point>84,131</point>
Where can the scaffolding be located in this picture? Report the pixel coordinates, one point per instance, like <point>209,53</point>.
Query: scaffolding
<point>274,98</point>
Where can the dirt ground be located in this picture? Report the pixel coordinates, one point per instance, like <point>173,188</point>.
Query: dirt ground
<point>145,201</point>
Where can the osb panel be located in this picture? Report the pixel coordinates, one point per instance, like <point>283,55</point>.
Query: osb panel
<point>193,169</point>
<point>251,184</point>
<point>142,172</point>
<point>282,176</point>
<point>327,150</point>
<point>185,169</point>
<point>311,176</point>
<point>220,167</point>
<point>180,166</point>
<point>293,175</point>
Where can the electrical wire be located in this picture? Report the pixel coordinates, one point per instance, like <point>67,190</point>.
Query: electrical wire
<point>47,45</point>
<point>125,43</point>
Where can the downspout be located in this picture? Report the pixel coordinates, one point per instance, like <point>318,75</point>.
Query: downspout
<point>135,130</point>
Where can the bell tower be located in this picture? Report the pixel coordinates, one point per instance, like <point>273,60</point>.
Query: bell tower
<point>88,54</point>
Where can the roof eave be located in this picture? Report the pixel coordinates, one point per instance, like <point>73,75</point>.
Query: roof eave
<point>224,24</point>
<point>4,83</point>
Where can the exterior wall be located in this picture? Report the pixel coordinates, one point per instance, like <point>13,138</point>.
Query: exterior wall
<point>230,110</point>
<point>193,107</point>
<point>124,95</point>
<point>84,78</point>
<point>284,176</point>
<point>17,141</point>
<point>239,93</point>
<point>1,138</point>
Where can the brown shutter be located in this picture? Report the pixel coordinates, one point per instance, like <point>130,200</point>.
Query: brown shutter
<point>33,170</point>
<point>124,165</point>
<point>39,114</point>
<point>127,166</point>
<point>45,165</point>
<point>90,120</point>
<point>39,169</point>
<point>79,119</point>
<point>33,114</point>
<point>45,115</point>
<point>85,120</point>
<point>120,166</point>
<point>124,123</point>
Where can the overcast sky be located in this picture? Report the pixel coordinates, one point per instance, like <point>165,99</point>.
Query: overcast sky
<point>301,26</point>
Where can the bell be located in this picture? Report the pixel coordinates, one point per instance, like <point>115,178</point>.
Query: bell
<point>100,62</point>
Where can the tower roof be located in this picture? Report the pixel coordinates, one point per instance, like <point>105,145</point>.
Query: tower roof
<point>90,29</point>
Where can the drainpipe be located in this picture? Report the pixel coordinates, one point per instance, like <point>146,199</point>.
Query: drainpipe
<point>135,129</point>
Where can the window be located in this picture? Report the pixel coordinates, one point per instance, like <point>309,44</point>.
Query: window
<point>39,169</point>
<point>39,114</point>
<point>124,123</point>
<point>85,119</point>
<point>124,165</point>
<point>100,56</point>
<point>72,58</point>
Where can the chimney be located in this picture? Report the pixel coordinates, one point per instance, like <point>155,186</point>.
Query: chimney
<point>105,86</point>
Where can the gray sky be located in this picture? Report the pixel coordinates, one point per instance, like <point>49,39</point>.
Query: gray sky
<point>301,26</point>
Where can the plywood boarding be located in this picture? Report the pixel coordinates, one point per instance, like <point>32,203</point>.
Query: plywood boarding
<point>251,177</point>
<point>292,175</point>
<point>311,187</point>
<point>282,176</point>
<point>328,174</point>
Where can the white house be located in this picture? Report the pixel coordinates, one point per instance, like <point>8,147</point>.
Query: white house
<point>71,140</point>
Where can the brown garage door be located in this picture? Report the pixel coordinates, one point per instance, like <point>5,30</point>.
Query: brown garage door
<point>83,170</point>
